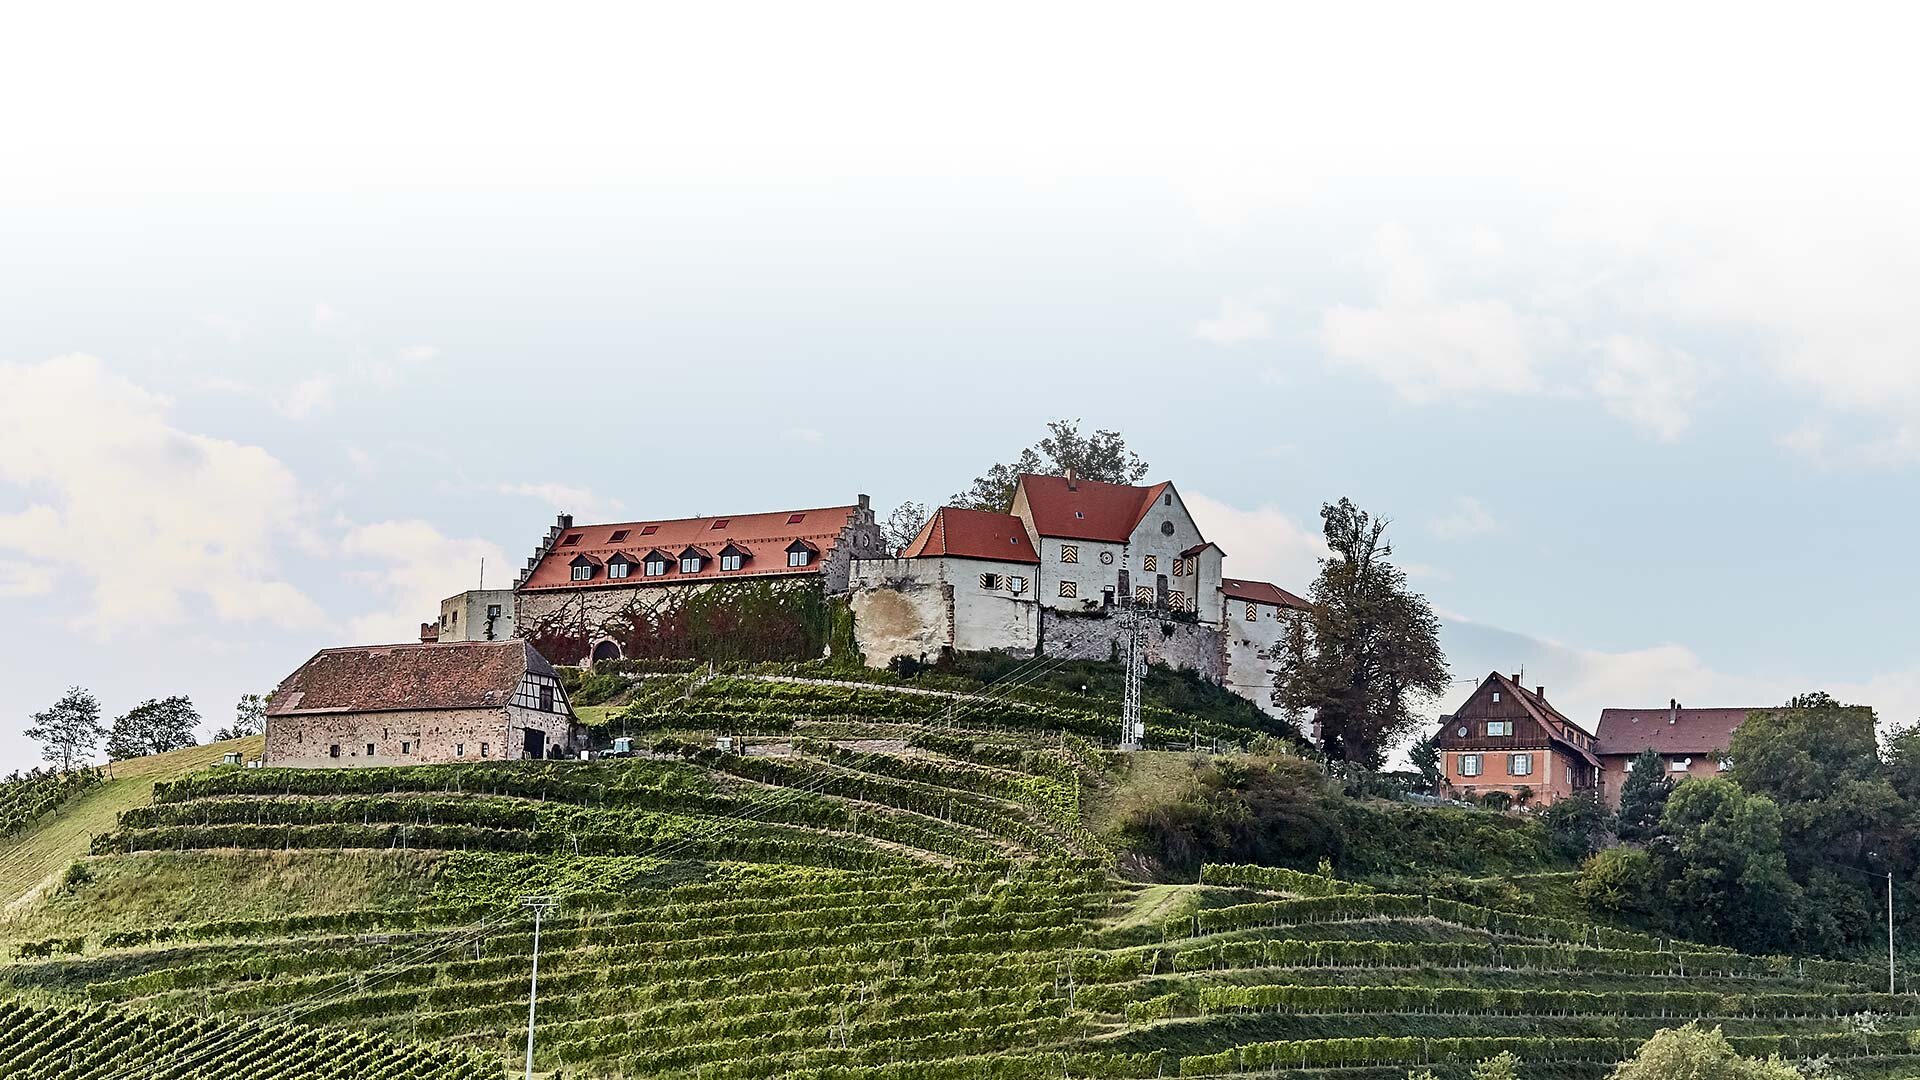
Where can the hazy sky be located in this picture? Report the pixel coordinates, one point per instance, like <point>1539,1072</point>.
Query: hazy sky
<point>300,318</point>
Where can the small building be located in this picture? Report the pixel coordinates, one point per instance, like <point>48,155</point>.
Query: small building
<point>476,615</point>
<point>1690,742</point>
<point>1103,543</point>
<point>419,705</point>
<point>966,581</point>
<point>1257,617</point>
<point>1508,738</point>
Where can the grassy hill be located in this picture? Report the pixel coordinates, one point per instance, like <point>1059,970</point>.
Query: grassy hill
<point>870,883</point>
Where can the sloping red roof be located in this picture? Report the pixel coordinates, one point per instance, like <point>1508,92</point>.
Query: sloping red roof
<point>1262,592</point>
<point>1087,509</point>
<point>379,678</point>
<point>972,534</point>
<point>770,532</point>
<point>1549,718</point>
<point>1669,730</point>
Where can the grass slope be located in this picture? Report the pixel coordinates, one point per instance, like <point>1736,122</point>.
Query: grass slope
<point>28,859</point>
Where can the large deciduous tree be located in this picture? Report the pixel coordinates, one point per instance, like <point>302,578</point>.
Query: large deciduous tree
<point>249,718</point>
<point>153,727</point>
<point>1367,658</point>
<point>1102,455</point>
<point>69,731</point>
<point>903,525</point>
<point>1695,1053</point>
<point>1721,868</point>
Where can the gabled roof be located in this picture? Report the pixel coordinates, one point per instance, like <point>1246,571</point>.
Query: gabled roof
<point>1669,729</point>
<point>1087,509</point>
<point>1550,719</point>
<point>972,534</point>
<point>819,528</point>
<point>1262,592</point>
<point>1200,547</point>
<point>383,678</point>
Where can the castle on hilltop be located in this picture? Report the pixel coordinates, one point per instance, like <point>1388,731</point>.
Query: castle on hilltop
<point>1050,577</point>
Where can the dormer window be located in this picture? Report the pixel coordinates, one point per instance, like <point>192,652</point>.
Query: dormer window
<point>801,553</point>
<point>572,539</point>
<point>582,568</point>
<point>733,557</point>
<point>654,565</point>
<point>619,566</point>
<point>618,535</point>
<point>693,559</point>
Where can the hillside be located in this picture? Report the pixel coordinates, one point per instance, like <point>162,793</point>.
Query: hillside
<point>870,882</point>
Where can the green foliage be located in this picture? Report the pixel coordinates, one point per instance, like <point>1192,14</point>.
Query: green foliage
<point>1424,755</point>
<point>1101,456</point>
<point>1367,657</point>
<point>1618,883</point>
<point>1696,1053</point>
<point>249,718</point>
<point>68,731</point>
<point>1577,826</point>
<point>1501,1066</point>
<point>1720,870</point>
<point>1643,796</point>
<point>26,797</point>
<point>154,726</point>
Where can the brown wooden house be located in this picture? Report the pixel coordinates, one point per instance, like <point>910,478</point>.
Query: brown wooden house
<point>1506,738</point>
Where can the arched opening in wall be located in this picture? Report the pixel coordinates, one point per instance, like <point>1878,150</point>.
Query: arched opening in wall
<point>606,649</point>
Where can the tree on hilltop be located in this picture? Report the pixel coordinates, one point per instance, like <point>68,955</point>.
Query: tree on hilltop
<point>69,731</point>
<point>1102,456</point>
<point>903,525</point>
<point>1367,657</point>
<point>249,718</point>
<point>153,727</point>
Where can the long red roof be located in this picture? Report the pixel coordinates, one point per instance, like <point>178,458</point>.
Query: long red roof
<point>1087,509</point>
<point>1262,592</point>
<point>382,678</point>
<point>1668,729</point>
<point>972,534</point>
<point>766,536</point>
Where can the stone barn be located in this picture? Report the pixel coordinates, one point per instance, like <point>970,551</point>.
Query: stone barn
<point>419,705</point>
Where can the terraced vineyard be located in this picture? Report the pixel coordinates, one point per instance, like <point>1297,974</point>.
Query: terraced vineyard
<point>850,893</point>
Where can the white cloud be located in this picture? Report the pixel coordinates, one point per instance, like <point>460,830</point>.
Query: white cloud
<point>1468,519</point>
<point>305,398</point>
<point>1652,386</point>
<point>1264,543</point>
<point>25,579</point>
<point>567,498</point>
<point>1426,347</point>
<point>412,567</point>
<point>418,354</point>
<point>1238,320</point>
<point>143,514</point>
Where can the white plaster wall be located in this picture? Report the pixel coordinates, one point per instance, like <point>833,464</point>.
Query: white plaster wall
<point>1251,650</point>
<point>916,607</point>
<point>463,616</point>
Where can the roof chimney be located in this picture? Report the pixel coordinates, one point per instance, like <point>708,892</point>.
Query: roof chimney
<point>1073,480</point>
<point>1514,678</point>
<point>1673,710</point>
<point>566,522</point>
<point>1540,692</point>
<point>866,503</point>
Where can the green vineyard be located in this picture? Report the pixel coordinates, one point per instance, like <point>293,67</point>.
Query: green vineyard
<point>863,883</point>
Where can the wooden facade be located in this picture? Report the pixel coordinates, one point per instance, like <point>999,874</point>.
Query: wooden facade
<point>1507,738</point>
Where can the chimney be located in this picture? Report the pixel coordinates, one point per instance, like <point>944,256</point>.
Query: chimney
<point>866,503</point>
<point>1540,692</point>
<point>566,522</point>
<point>1073,481</point>
<point>1514,678</point>
<point>1673,710</point>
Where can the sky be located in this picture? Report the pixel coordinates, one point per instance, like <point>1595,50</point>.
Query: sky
<point>304,316</point>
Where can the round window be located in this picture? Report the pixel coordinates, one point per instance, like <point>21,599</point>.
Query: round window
<point>1463,733</point>
<point>1166,528</point>
<point>1106,558</point>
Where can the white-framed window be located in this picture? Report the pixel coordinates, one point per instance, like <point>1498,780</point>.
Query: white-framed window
<point>690,564</point>
<point>1499,727</point>
<point>1496,695</point>
<point>1069,553</point>
<point>483,749</point>
<point>1469,764</point>
<point>583,572</point>
<point>654,567</point>
<point>459,749</point>
<point>1569,776</point>
<point>732,560</point>
<point>1016,585</point>
<point>1519,764</point>
<point>799,557</point>
<point>1069,590</point>
<point>1679,764</point>
<point>617,569</point>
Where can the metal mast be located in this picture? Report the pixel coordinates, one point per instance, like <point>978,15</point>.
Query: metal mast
<point>1133,730</point>
<point>540,905</point>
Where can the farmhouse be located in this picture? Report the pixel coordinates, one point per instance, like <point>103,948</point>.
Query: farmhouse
<point>1506,738</point>
<point>419,705</point>
<point>681,587</point>
<point>1052,575</point>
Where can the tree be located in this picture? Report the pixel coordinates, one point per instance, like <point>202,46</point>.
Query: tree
<point>1577,825</point>
<point>249,718</point>
<point>69,732</point>
<point>1618,882</point>
<point>1102,455</point>
<point>1643,795</point>
<point>903,525</point>
<point>1723,876</point>
<point>1694,1053</point>
<point>1424,755</point>
<point>1367,656</point>
<point>153,727</point>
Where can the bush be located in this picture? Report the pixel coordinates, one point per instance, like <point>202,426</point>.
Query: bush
<point>1618,883</point>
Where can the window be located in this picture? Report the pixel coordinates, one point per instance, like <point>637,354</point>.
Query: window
<point>1149,563</point>
<point>1569,776</point>
<point>1166,528</point>
<point>572,539</point>
<point>649,530</point>
<point>1016,585</point>
<point>618,535</point>
<point>546,698</point>
<point>483,749</point>
<point>689,564</point>
<point>1069,590</point>
<point>654,567</point>
<point>334,750</point>
<point>989,581</point>
<point>1080,513</point>
<point>369,749</point>
<point>1499,727</point>
<point>617,569</point>
<point>732,561</point>
<point>583,572</point>
<point>1469,764</point>
<point>1252,613</point>
<point>1519,764</point>
<point>405,747</point>
<point>720,523</point>
<point>1496,696</point>
<point>795,519</point>
<point>1679,764</point>
<point>493,611</point>
<point>1069,553</point>
<point>1462,732</point>
<point>1167,499</point>
<point>459,749</point>
<point>799,557</point>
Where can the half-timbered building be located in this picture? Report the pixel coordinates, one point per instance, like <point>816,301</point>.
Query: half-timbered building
<point>1506,738</point>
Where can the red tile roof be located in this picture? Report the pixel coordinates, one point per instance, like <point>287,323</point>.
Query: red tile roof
<point>1668,729</point>
<point>1549,718</point>
<point>383,678</point>
<point>1262,592</point>
<point>1087,509</point>
<point>770,532</point>
<point>972,534</point>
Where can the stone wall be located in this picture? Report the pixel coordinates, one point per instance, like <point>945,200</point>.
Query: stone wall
<point>918,607</point>
<point>401,737</point>
<point>1193,646</point>
<point>1253,649</point>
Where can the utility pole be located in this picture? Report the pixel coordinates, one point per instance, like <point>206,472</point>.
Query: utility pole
<point>540,905</point>
<point>1890,932</point>
<point>1132,730</point>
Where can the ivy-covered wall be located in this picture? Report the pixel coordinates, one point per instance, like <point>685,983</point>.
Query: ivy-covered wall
<point>767,619</point>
